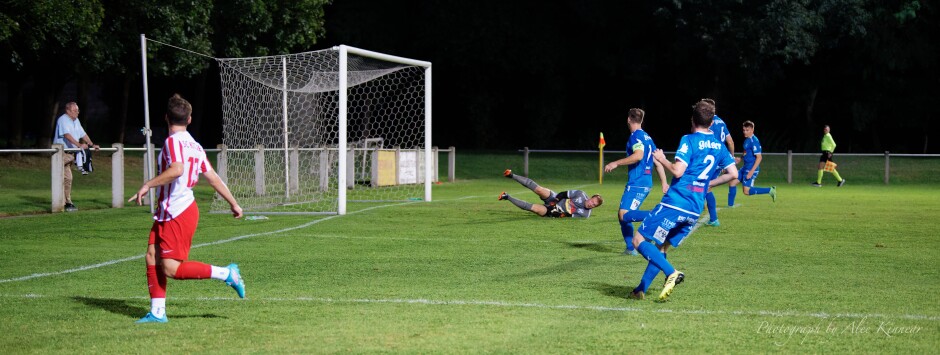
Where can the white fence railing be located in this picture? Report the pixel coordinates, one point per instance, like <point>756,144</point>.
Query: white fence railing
<point>789,155</point>
<point>118,150</point>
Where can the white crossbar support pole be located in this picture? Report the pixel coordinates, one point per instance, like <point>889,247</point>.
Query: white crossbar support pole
<point>341,174</point>
<point>428,163</point>
<point>386,57</point>
<point>147,133</point>
<point>286,145</point>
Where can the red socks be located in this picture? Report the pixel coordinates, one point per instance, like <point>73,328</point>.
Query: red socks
<point>193,270</point>
<point>156,282</point>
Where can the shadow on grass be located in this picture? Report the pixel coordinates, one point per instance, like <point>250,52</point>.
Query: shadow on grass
<point>564,267</point>
<point>617,291</point>
<point>41,203</point>
<point>121,307</point>
<point>600,247</point>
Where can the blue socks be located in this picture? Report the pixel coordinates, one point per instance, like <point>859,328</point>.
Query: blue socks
<point>648,276</point>
<point>626,228</point>
<point>651,253</point>
<point>710,203</point>
<point>732,192</point>
<point>759,190</point>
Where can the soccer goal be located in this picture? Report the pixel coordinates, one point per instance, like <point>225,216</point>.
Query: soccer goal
<point>311,132</point>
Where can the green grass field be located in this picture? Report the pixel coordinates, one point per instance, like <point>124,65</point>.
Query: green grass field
<point>851,269</point>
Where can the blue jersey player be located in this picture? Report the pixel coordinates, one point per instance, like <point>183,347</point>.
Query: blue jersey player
<point>698,156</point>
<point>720,129</point>
<point>640,163</point>
<point>752,158</point>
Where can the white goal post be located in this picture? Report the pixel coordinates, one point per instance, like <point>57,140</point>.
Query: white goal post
<point>311,132</point>
<point>297,127</point>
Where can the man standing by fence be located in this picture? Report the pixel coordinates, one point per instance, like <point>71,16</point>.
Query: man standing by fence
<point>69,132</point>
<point>827,146</point>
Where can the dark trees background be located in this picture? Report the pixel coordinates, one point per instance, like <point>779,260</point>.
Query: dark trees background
<point>552,74</point>
<point>509,74</point>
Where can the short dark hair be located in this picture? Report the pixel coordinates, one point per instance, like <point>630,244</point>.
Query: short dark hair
<point>635,115</point>
<point>748,124</point>
<point>702,113</point>
<point>178,110</point>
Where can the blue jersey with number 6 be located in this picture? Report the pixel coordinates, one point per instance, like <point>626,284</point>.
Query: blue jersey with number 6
<point>639,173</point>
<point>703,154</point>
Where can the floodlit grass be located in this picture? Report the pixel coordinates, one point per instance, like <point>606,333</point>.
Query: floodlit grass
<point>851,269</point>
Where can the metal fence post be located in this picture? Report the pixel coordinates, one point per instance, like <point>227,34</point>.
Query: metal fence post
<point>117,176</point>
<point>887,167</point>
<point>57,171</point>
<point>259,170</point>
<point>789,166</point>
<point>525,161</point>
<point>221,162</point>
<point>294,159</point>
<point>452,164</point>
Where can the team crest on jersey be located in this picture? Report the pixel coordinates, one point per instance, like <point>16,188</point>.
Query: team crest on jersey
<point>683,149</point>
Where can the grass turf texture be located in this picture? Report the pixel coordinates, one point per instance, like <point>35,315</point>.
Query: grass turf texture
<point>822,270</point>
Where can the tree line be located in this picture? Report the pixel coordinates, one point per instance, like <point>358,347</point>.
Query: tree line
<point>508,74</point>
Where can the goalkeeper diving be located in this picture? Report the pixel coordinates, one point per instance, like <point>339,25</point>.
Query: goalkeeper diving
<point>571,203</point>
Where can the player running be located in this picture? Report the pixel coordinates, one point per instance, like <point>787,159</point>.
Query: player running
<point>752,159</point>
<point>698,156</point>
<point>181,161</point>
<point>571,203</point>
<point>639,162</point>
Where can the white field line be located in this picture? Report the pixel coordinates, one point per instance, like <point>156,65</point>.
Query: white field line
<point>792,314</point>
<point>428,302</point>
<point>301,226</point>
<point>222,241</point>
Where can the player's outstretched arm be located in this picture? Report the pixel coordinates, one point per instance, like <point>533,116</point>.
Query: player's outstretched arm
<point>662,175</point>
<point>633,158</point>
<point>730,173</point>
<point>174,171</point>
<point>677,169</point>
<point>730,143</point>
<point>757,160</point>
<point>216,182</point>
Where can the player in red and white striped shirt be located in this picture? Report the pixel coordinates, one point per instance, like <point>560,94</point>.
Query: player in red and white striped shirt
<point>181,161</point>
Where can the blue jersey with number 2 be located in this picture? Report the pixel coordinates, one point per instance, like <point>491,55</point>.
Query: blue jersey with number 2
<point>703,154</point>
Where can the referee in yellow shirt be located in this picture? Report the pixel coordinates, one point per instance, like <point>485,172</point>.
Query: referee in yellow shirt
<point>827,146</point>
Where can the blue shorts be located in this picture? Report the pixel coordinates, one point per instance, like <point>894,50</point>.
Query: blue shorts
<point>633,197</point>
<point>665,224</point>
<point>742,176</point>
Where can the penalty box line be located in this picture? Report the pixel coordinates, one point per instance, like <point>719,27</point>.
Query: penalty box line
<point>535,305</point>
<point>217,242</point>
<point>224,241</point>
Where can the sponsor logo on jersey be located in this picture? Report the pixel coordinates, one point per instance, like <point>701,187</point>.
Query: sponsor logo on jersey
<point>667,224</point>
<point>708,145</point>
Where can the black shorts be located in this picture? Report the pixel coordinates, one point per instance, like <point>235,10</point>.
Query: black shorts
<point>826,156</point>
<point>554,211</point>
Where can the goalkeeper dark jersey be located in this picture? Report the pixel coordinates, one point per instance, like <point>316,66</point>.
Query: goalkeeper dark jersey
<point>569,204</point>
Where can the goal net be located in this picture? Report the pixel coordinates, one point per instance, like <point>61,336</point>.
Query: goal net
<point>311,132</point>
